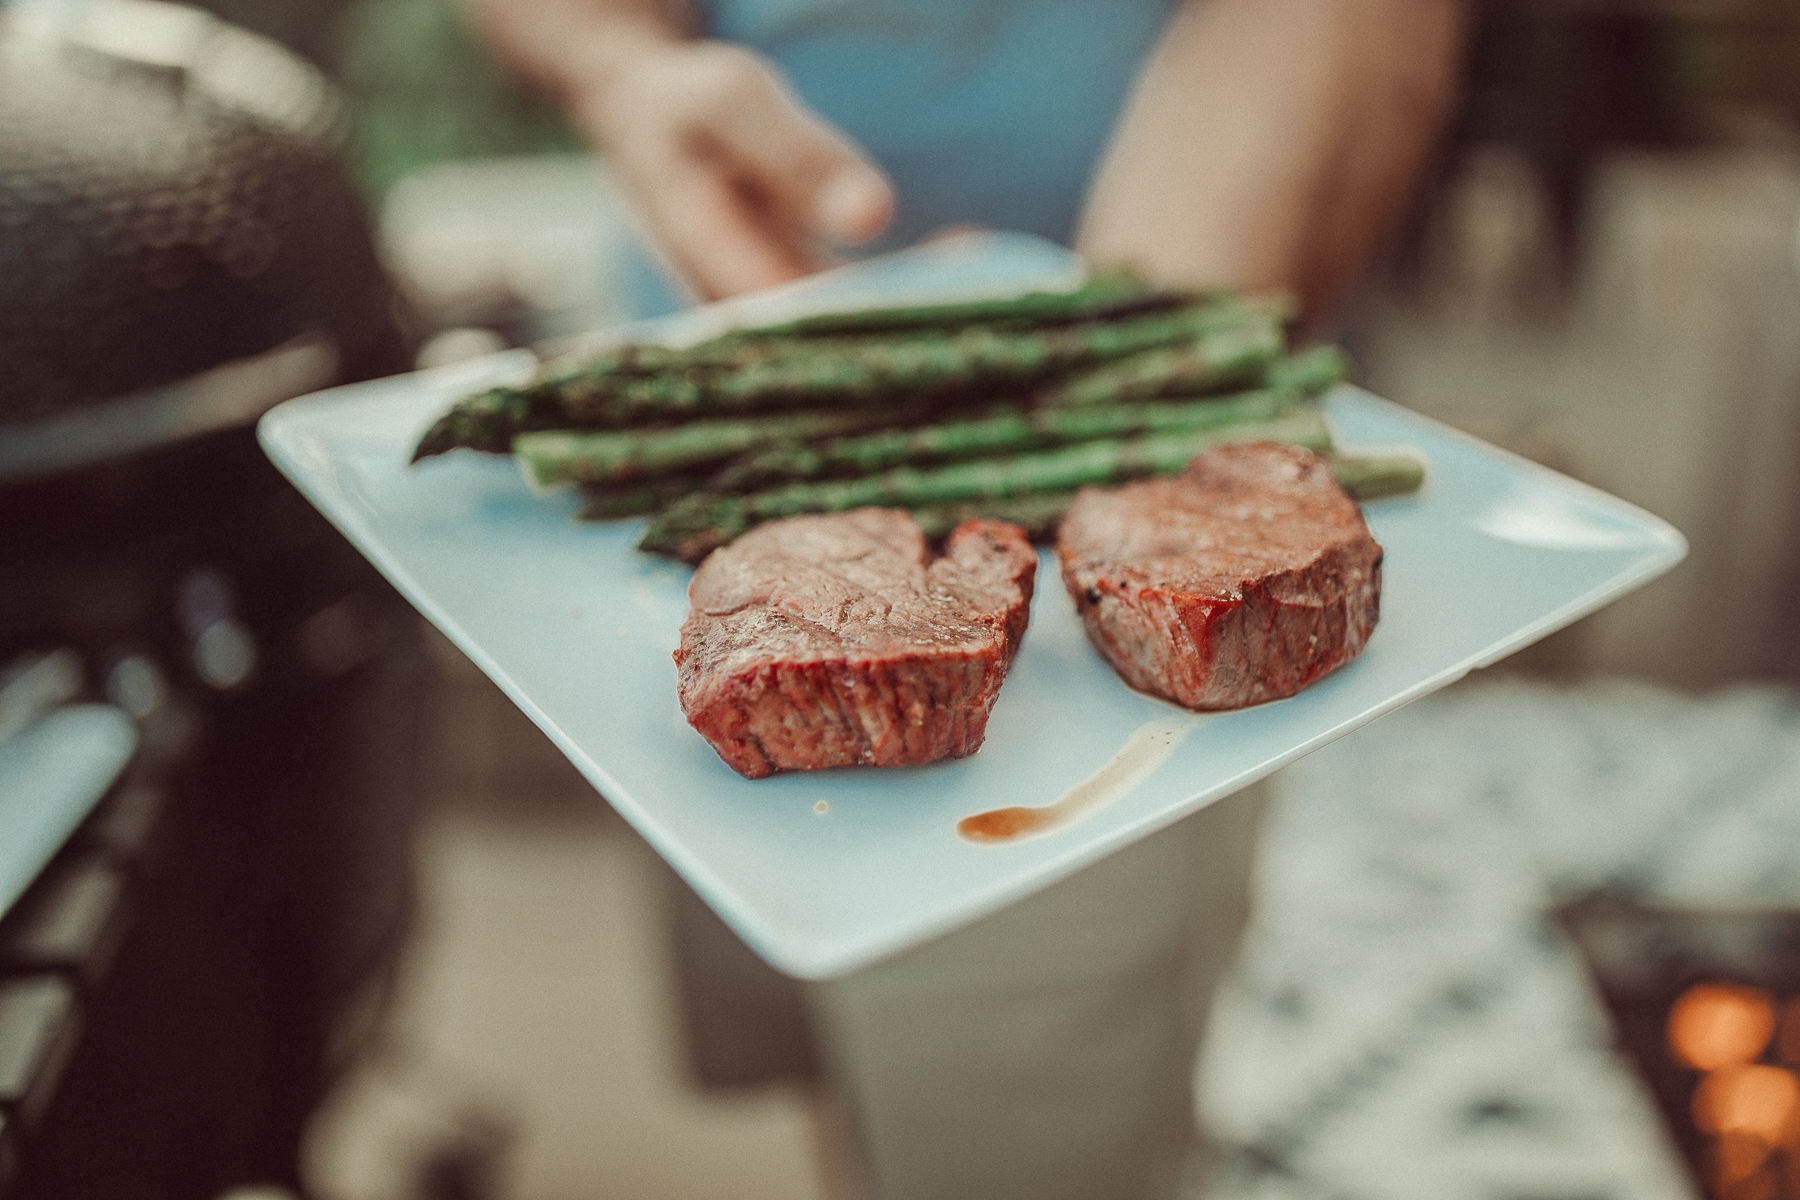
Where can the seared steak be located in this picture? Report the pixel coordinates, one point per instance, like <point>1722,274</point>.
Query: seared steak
<point>836,640</point>
<point>1240,581</point>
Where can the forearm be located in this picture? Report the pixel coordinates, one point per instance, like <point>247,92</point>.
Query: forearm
<point>1269,143</point>
<point>567,47</point>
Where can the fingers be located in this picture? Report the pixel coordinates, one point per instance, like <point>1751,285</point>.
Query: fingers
<point>812,177</point>
<point>740,183</point>
<point>716,235</point>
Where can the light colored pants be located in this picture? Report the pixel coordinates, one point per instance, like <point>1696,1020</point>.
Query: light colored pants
<point>1047,1051</point>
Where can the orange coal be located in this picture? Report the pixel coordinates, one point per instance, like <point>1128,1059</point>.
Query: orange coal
<point>1749,1100</point>
<point>1717,1024</point>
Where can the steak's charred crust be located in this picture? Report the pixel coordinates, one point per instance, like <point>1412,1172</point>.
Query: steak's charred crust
<point>1242,581</point>
<point>838,640</point>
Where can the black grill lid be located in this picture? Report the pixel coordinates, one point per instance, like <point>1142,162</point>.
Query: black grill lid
<point>170,201</point>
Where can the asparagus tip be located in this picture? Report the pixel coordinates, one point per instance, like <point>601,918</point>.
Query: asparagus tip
<point>436,441</point>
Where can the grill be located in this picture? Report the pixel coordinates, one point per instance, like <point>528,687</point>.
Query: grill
<point>1706,1004</point>
<point>179,251</point>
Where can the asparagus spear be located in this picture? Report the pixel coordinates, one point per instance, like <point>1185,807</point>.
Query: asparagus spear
<point>736,350</point>
<point>1105,294</point>
<point>694,525</point>
<point>1218,357</point>
<point>489,420</point>
<point>1365,477</point>
<point>1311,371</point>
<point>1370,477</point>
<point>609,502</point>
<point>552,457</point>
<point>1039,513</point>
<point>1004,432</point>
<point>872,370</point>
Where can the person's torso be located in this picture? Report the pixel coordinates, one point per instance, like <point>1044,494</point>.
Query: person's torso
<point>992,112</point>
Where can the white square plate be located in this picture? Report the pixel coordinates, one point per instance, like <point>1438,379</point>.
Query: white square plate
<point>824,872</point>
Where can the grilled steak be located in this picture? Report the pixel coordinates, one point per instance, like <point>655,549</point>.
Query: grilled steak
<point>830,641</point>
<point>1240,581</point>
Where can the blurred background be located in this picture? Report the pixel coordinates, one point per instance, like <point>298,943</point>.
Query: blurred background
<point>343,924</point>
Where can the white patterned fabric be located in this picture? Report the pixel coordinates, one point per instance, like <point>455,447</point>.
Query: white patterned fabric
<point>1406,1022</point>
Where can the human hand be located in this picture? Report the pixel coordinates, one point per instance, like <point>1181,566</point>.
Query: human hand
<point>741,185</point>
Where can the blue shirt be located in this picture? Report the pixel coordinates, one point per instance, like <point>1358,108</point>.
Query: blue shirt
<point>994,112</point>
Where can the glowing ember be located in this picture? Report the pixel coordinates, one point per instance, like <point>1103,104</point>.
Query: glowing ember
<point>1757,1101</point>
<point>1717,1024</point>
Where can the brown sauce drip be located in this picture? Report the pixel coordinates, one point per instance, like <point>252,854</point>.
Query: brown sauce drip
<point>1004,824</point>
<point>1141,754</point>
